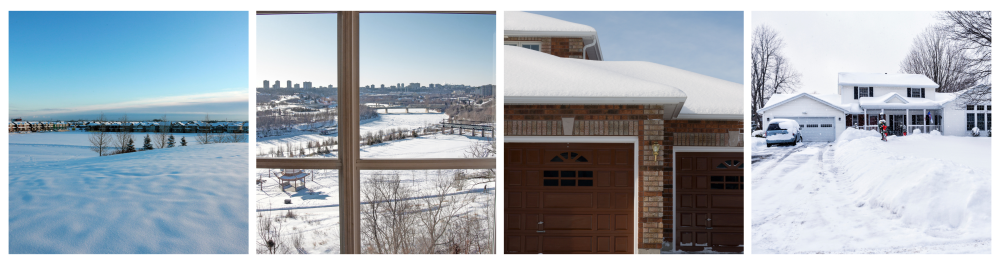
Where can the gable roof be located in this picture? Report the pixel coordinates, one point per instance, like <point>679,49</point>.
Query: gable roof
<point>885,79</point>
<point>781,99</point>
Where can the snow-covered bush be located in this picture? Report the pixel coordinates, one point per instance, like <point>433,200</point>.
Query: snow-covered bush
<point>936,133</point>
<point>759,133</point>
<point>916,131</point>
<point>975,131</point>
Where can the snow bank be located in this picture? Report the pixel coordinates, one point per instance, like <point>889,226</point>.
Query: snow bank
<point>943,198</point>
<point>190,199</point>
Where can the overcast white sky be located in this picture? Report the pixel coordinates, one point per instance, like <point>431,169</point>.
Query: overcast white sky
<point>821,44</point>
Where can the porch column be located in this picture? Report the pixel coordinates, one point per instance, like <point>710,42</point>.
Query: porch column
<point>867,121</point>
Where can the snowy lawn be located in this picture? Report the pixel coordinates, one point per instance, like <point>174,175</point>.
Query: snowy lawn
<point>180,200</point>
<point>914,194</point>
<point>384,121</point>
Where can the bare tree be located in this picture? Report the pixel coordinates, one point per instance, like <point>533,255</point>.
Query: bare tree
<point>441,213</point>
<point>941,59</point>
<point>770,71</point>
<point>387,225</point>
<point>100,139</point>
<point>205,135</point>
<point>123,135</point>
<point>973,31</point>
<point>160,138</point>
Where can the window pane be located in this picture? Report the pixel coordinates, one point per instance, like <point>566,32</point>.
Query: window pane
<point>422,99</point>
<point>298,210</point>
<point>428,212</point>
<point>296,93</point>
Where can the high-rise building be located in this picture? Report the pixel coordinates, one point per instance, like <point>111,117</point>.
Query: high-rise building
<point>383,86</point>
<point>288,84</point>
<point>267,84</point>
<point>296,85</point>
<point>307,84</point>
<point>277,84</point>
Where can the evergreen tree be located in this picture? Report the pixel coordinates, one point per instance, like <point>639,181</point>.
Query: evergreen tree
<point>184,142</point>
<point>131,146</point>
<point>170,141</point>
<point>147,144</point>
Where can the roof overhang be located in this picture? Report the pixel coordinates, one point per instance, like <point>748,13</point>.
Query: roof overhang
<point>671,105</point>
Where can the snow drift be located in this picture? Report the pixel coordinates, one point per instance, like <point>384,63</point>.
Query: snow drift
<point>943,198</point>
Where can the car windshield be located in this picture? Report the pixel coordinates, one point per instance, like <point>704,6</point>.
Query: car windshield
<point>773,126</point>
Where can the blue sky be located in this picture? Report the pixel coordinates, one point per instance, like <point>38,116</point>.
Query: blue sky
<point>395,48</point>
<point>709,43</point>
<point>71,65</point>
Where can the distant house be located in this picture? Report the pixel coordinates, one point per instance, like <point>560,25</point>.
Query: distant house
<point>907,102</point>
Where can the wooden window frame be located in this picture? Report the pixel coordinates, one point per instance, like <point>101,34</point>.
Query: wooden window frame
<point>349,162</point>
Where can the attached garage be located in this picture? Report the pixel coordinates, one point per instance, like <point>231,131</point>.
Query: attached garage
<point>816,129</point>
<point>574,198</point>
<point>709,201</point>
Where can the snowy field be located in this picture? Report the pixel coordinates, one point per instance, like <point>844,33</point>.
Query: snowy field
<point>51,146</point>
<point>188,199</point>
<point>315,210</point>
<point>914,194</point>
<point>384,121</point>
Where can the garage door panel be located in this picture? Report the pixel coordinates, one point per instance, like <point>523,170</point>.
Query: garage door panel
<point>569,244</point>
<point>734,201</point>
<point>513,199</point>
<point>727,239</point>
<point>512,244</point>
<point>513,156</point>
<point>727,220</point>
<point>568,200</point>
<point>816,129</point>
<point>514,177</point>
<point>589,209</point>
<point>561,222</point>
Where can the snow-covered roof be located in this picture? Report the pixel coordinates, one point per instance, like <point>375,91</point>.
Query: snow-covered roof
<point>885,79</point>
<point>539,78</point>
<point>523,24</point>
<point>827,99</point>
<point>516,22</point>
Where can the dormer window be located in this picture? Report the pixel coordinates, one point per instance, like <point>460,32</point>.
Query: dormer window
<point>533,45</point>
<point>863,92</point>
<point>915,92</point>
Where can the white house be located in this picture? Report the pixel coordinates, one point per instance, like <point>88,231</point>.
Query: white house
<point>907,102</point>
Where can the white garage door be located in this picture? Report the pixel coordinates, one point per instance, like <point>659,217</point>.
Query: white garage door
<point>816,129</point>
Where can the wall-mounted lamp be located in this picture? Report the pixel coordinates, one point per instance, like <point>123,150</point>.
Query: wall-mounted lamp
<point>656,151</point>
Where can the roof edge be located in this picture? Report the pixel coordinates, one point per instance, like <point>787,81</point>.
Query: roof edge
<point>569,100</point>
<point>801,94</point>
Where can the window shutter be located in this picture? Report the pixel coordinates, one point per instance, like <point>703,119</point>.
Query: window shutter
<point>855,92</point>
<point>909,92</point>
<point>871,91</point>
<point>922,95</point>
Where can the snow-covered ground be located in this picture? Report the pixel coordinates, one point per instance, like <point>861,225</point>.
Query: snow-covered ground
<point>316,208</point>
<point>47,146</point>
<point>914,194</point>
<point>65,199</point>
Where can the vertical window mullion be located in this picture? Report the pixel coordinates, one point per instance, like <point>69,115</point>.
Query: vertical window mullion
<point>348,151</point>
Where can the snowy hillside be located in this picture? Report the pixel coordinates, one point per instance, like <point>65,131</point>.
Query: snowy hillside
<point>915,194</point>
<point>180,200</point>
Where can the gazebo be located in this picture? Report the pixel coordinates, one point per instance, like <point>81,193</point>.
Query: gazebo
<point>291,177</point>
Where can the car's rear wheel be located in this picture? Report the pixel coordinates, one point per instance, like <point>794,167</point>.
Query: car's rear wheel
<point>768,145</point>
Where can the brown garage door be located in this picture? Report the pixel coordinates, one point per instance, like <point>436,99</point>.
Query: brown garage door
<point>710,201</point>
<point>568,198</point>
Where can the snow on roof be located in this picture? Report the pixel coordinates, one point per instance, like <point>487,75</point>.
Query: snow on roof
<point>536,75</point>
<point>705,94</point>
<point>520,22</point>
<point>885,79</point>
<point>831,100</point>
<point>885,102</point>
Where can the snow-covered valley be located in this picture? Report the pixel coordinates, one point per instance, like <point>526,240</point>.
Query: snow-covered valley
<point>63,198</point>
<point>915,194</point>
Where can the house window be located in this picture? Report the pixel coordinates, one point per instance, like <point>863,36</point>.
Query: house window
<point>970,107</point>
<point>533,45</point>
<point>917,119</point>
<point>980,107</point>
<point>970,121</point>
<point>981,121</point>
<point>989,121</point>
<point>915,92</point>
<point>864,92</point>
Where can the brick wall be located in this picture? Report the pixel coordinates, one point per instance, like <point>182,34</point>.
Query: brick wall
<point>690,133</point>
<point>562,47</point>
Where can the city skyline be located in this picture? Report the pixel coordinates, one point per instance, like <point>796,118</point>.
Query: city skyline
<point>395,48</point>
<point>74,65</point>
